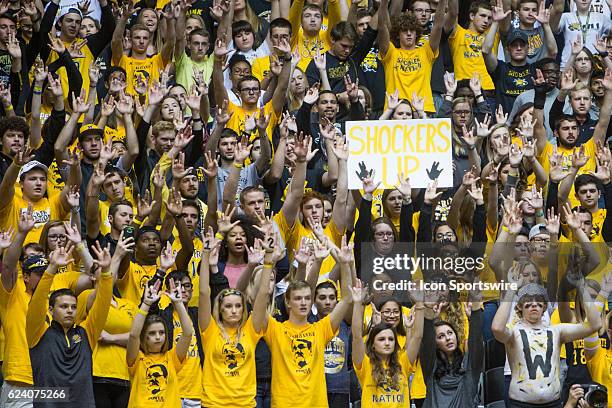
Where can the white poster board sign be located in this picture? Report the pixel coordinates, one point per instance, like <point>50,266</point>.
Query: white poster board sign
<point>419,148</point>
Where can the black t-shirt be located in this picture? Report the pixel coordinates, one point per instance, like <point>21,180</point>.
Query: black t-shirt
<point>510,82</point>
<point>6,61</point>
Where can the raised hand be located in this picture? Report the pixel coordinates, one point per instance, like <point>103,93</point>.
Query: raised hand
<point>571,217</point>
<point>167,257</point>
<point>340,149</point>
<point>108,106</point>
<point>303,253</point>
<point>403,186</point>
<point>431,193</point>
<point>152,293</point>
<point>493,175</point>
<point>125,105</point>
<point>55,85</point>
<point>498,12</point>
<point>322,249</point>
<point>5,238</point>
<point>178,167</point>
<point>475,84</point>
<point>552,223</point>
<point>475,191</point>
<point>212,167</point>
<point>417,102</point>
<point>102,257</point>
<point>469,138</point>
<point>312,95</point>
<point>175,203</point>
<point>225,223</point>
<point>144,205</point>
<point>393,100</point>
<point>556,172</point>
<point>543,16</point>
<point>369,187</point>
<point>579,157</point>
<point>76,49</point>
<point>13,47</point>
<point>26,219</point>
<point>79,104</point>
<point>363,171</point>
<point>72,233</point>
<point>352,88</point>
<point>221,49</point>
<point>516,155</point>
<point>320,60</point>
<point>567,82</point>
<point>500,116</point>
<point>482,128</point>
<point>358,292</point>
<point>61,257</point>
<point>450,83</point>
<point>255,254</point>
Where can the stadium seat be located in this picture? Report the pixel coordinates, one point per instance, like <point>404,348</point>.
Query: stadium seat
<point>494,385</point>
<point>495,354</point>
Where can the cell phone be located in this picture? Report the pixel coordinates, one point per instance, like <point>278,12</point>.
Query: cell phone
<point>128,232</point>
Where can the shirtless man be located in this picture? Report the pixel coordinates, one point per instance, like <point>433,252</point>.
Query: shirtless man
<point>533,347</point>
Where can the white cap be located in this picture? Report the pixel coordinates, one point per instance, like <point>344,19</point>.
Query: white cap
<point>31,165</point>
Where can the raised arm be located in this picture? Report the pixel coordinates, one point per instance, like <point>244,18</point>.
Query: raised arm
<point>280,92</point>
<point>438,25</point>
<point>183,343</point>
<point>339,210</point>
<point>210,243</point>
<point>571,332</point>
<point>10,257</point>
<point>37,310</point>
<point>555,14</point>
<point>413,343</point>
<point>450,19</point>
<point>220,93</point>
<point>345,257</point>
<point>260,316</point>
<point>383,28</point>
<point>291,206</point>
<point>96,319</point>
<point>601,129</point>
<point>358,294</point>
<point>151,296</point>
<point>117,41</point>
<point>500,331</point>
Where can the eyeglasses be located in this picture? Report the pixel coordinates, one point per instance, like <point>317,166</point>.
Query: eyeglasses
<point>241,71</point>
<point>57,237</point>
<point>187,286</point>
<point>250,90</point>
<point>541,240</point>
<point>388,313</point>
<point>383,234</point>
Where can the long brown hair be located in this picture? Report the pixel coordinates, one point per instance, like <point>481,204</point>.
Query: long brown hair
<point>390,375</point>
<point>150,320</point>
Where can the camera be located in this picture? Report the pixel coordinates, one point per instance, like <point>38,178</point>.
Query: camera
<point>595,395</point>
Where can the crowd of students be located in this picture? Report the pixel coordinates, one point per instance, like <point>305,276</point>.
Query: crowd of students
<point>176,227</point>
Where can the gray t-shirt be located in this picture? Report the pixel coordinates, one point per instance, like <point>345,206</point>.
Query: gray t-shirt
<point>248,178</point>
<point>536,47</point>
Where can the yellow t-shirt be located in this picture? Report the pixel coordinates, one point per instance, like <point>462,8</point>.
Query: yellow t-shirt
<point>149,68</point>
<point>45,210</point>
<point>409,71</point>
<point>13,309</point>
<point>260,67</point>
<point>154,380</point>
<point>82,64</point>
<point>566,162</point>
<point>298,363</point>
<point>190,376</point>
<point>600,368</point>
<point>109,359</point>
<point>194,263</point>
<point>386,394</point>
<point>239,113</point>
<point>293,237</point>
<point>466,49</point>
<point>229,366</point>
<point>132,285</point>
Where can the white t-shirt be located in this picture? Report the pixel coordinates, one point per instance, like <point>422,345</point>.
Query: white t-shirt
<point>597,6</point>
<point>572,26</point>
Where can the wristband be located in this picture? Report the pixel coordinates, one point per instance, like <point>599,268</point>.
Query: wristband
<point>238,165</point>
<point>478,96</point>
<point>196,120</point>
<point>266,265</point>
<point>75,209</point>
<point>539,213</point>
<point>603,54</point>
<point>137,222</point>
<point>142,312</point>
<point>38,89</point>
<point>218,235</point>
<point>504,228</point>
<point>591,343</point>
<point>8,108</point>
<point>37,92</point>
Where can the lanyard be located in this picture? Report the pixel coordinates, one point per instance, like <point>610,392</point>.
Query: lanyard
<point>584,28</point>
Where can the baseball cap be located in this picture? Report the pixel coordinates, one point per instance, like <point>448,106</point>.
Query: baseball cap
<point>70,10</point>
<point>517,35</point>
<point>147,228</point>
<point>533,289</point>
<point>34,263</point>
<point>90,129</point>
<point>31,165</point>
<point>537,230</point>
